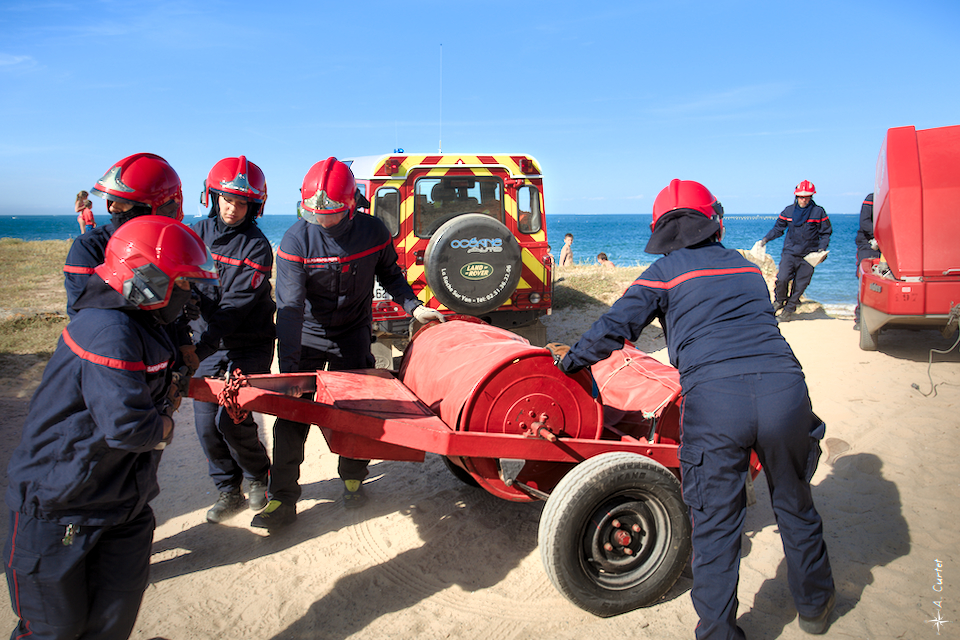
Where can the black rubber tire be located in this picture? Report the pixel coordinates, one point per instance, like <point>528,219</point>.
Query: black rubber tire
<point>599,502</point>
<point>460,473</point>
<point>449,257</point>
<point>868,341</point>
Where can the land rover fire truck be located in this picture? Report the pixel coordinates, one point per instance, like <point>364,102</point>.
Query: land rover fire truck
<point>471,236</point>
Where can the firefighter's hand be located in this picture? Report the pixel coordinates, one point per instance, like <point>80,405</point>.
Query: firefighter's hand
<point>190,358</point>
<point>191,310</point>
<point>175,393</point>
<point>558,350</point>
<point>424,314</point>
<point>168,425</point>
<point>762,242</point>
<point>873,244</point>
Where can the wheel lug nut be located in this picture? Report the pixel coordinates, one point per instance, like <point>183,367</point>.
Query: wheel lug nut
<point>615,524</point>
<point>608,547</point>
<point>636,528</point>
<point>628,551</point>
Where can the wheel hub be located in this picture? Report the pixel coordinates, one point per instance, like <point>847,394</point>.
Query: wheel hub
<point>621,537</point>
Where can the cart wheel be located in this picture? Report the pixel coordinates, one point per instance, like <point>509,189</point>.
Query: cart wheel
<point>868,341</point>
<point>461,474</point>
<point>614,534</point>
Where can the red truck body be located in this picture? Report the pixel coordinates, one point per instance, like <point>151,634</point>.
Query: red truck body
<point>916,281</point>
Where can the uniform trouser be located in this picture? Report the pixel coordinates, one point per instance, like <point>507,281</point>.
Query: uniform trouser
<point>233,451</point>
<point>91,588</point>
<point>722,421</point>
<point>792,268</point>
<point>862,254</point>
<point>290,437</point>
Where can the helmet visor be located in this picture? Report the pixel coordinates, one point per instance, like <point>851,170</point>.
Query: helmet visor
<point>148,286</point>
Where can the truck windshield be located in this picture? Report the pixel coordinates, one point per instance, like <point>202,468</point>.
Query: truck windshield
<point>440,199</point>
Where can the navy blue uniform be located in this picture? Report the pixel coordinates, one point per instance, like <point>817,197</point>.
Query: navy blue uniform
<point>325,283</point>
<point>808,229</point>
<point>743,390</point>
<point>78,549</point>
<point>864,248</point>
<point>86,253</point>
<point>235,330</point>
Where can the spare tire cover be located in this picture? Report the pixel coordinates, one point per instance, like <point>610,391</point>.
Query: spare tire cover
<point>472,263</point>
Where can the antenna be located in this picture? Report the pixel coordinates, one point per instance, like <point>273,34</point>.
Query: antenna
<point>440,145</point>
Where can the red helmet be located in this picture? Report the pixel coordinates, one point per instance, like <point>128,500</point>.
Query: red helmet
<point>689,195</point>
<point>143,179</point>
<point>805,188</point>
<point>236,176</point>
<point>328,188</point>
<point>146,255</point>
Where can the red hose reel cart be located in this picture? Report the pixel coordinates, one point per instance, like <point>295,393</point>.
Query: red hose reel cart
<point>614,534</point>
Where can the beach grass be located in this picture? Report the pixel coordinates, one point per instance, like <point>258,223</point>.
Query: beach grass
<point>32,298</point>
<point>583,286</point>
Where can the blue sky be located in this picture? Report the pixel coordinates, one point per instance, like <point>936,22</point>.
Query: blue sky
<point>614,99</point>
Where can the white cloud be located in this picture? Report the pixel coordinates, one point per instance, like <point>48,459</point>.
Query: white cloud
<point>7,60</point>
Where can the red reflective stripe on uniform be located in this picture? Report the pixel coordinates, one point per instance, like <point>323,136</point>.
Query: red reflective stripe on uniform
<point>690,275</point>
<point>16,583</point>
<point>113,363</point>
<point>81,270</point>
<point>363,254</point>
<point>13,538</point>
<point>237,263</point>
<point>331,259</point>
<point>288,256</point>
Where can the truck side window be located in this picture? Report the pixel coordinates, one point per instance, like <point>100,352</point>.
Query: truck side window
<point>528,209</point>
<point>387,208</point>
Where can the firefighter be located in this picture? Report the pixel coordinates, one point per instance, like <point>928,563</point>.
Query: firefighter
<point>326,267</point>
<point>867,247</point>
<point>80,482</point>
<point>743,390</point>
<point>808,232</point>
<point>138,185</point>
<point>235,329</point>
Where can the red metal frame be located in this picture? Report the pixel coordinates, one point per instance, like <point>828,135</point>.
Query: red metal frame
<point>370,408</point>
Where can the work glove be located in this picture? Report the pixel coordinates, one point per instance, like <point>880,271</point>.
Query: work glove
<point>191,310</point>
<point>424,314</point>
<point>179,385</point>
<point>873,244</point>
<point>815,257</point>
<point>558,350</point>
<point>190,358</point>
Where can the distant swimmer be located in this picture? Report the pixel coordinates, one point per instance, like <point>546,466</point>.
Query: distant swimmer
<point>566,253</point>
<point>603,261</point>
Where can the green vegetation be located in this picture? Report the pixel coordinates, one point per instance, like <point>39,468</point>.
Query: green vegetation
<point>579,287</point>
<point>32,297</point>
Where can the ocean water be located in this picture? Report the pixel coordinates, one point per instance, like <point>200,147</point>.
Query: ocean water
<point>621,236</point>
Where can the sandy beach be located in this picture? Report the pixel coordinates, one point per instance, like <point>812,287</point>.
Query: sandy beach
<point>429,557</point>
